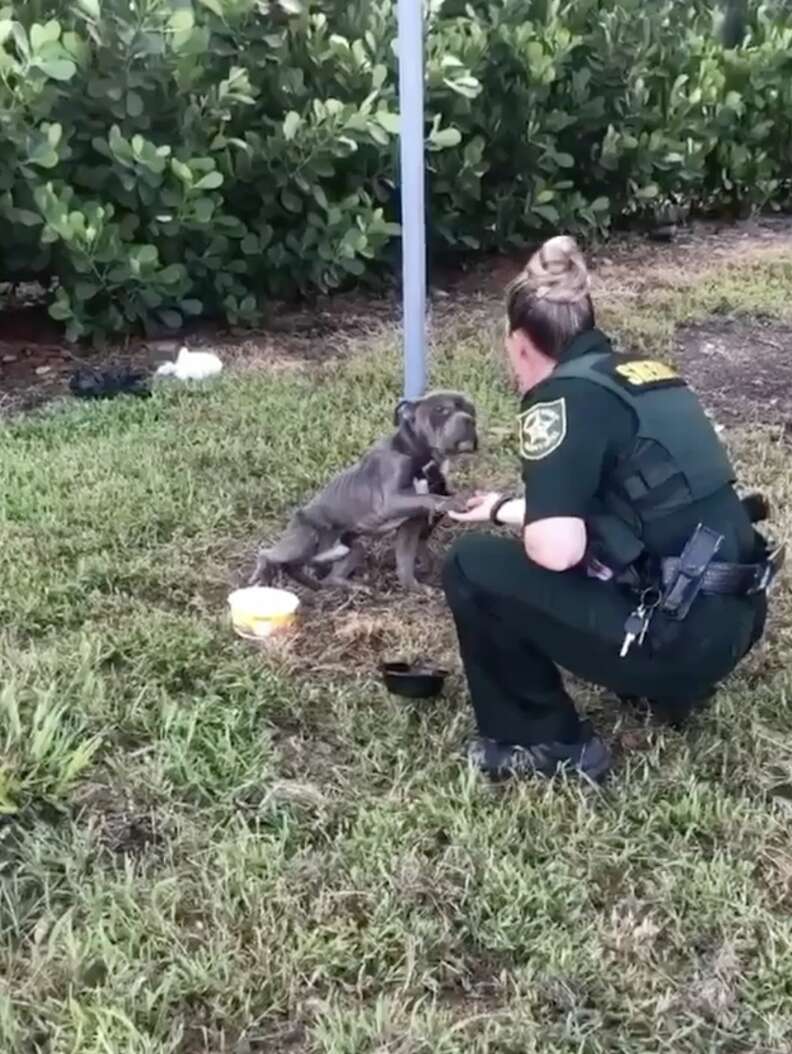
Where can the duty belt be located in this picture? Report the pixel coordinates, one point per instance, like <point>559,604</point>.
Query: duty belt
<point>728,579</point>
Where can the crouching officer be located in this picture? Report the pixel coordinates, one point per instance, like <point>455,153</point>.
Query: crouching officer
<point>638,569</point>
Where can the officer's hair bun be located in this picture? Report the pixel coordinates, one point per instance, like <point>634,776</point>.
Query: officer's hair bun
<point>557,272</point>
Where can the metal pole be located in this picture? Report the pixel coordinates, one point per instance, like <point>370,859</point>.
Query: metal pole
<point>411,144</point>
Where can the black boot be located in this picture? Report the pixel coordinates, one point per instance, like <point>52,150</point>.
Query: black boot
<point>587,757</point>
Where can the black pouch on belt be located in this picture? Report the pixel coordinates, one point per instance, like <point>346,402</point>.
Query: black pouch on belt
<point>682,590</point>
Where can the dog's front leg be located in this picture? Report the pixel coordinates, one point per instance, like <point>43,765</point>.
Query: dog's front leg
<point>408,539</point>
<point>425,560</point>
<point>402,506</point>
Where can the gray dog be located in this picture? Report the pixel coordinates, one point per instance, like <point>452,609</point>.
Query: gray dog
<point>399,484</point>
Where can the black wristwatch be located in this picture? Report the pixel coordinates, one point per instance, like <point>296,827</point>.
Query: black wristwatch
<point>496,508</point>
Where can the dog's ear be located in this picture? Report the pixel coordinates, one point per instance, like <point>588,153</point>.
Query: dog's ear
<point>404,412</point>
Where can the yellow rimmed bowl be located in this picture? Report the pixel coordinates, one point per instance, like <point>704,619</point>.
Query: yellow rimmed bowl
<point>259,612</point>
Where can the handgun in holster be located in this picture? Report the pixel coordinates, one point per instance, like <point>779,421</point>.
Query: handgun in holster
<point>684,587</point>
<point>611,542</point>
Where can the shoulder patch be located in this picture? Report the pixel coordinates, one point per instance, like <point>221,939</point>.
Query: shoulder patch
<point>543,429</point>
<point>640,375</point>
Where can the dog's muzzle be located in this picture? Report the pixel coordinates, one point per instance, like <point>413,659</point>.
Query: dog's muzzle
<point>467,446</point>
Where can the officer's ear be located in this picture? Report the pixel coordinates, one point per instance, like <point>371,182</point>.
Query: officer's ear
<point>404,412</point>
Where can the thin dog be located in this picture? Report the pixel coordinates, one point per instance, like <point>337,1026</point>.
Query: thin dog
<point>398,485</point>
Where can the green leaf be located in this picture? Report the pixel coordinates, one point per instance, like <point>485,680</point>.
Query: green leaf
<point>181,21</point>
<point>378,76</point>
<point>211,181</point>
<point>291,123</point>
<point>27,218</point>
<point>564,160</point>
<point>215,7</point>
<point>547,212</point>
<point>6,27</point>
<point>249,245</point>
<point>292,7</point>
<point>56,69</point>
<point>191,307</point>
<point>91,7</point>
<point>446,137</point>
<point>134,104</point>
<point>651,190</point>
<point>182,171</point>
<point>290,201</point>
<point>172,319</point>
<point>600,204</point>
<point>44,156</point>
<point>544,196</point>
<point>467,86</point>
<point>85,290</point>
<point>391,122</point>
<point>40,35</point>
<point>204,210</point>
<point>172,273</point>
<point>20,39</point>
<point>378,134</point>
<point>60,310</point>
<point>147,254</point>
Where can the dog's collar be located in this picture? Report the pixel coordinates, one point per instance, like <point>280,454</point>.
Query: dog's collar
<point>407,442</point>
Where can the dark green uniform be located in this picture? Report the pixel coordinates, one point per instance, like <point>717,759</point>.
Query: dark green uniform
<point>624,445</point>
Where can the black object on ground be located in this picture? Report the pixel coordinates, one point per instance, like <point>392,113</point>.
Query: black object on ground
<point>665,233</point>
<point>107,384</point>
<point>413,681</point>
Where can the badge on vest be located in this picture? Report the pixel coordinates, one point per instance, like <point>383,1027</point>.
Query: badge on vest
<point>543,429</point>
<point>641,374</point>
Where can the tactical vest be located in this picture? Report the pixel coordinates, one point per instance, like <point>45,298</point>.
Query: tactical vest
<point>676,459</point>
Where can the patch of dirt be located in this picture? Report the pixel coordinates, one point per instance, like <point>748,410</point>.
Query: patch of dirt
<point>358,628</point>
<point>125,826</point>
<point>629,263</point>
<point>35,363</point>
<point>741,368</point>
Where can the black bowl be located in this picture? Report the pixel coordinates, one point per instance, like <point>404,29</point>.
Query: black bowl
<point>413,681</point>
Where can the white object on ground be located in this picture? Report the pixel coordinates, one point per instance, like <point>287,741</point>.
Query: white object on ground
<point>259,611</point>
<point>191,366</point>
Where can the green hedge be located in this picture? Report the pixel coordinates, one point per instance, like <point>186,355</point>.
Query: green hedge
<point>162,158</point>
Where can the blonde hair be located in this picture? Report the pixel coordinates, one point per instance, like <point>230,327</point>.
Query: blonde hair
<point>550,299</point>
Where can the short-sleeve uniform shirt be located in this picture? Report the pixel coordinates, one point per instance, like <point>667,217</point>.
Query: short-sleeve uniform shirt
<point>571,432</point>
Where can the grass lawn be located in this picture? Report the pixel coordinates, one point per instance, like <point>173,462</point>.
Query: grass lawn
<point>207,848</point>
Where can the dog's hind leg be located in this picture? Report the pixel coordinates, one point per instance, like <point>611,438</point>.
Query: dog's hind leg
<point>296,572</point>
<point>296,548</point>
<point>344,568</point>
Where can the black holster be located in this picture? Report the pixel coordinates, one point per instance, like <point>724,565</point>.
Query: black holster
<point>682,589</point>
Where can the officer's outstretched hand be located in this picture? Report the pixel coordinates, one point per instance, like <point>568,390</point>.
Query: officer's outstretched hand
<point>477,508</point>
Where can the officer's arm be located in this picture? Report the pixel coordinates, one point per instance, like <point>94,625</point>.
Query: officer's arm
<point>566,436</point>
<point>557,543</point>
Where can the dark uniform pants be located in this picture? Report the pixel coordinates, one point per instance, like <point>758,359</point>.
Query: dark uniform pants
<point>518,623</point>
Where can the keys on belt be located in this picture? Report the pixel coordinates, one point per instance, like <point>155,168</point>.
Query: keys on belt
<point>637,624</point>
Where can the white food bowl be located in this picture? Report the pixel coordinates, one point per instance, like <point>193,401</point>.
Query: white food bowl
<point>258,611</point>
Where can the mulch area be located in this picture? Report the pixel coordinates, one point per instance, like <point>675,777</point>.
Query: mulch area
<point>35,362</point>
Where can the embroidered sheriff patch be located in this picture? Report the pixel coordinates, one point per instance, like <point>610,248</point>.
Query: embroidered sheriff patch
<point>543,429</point>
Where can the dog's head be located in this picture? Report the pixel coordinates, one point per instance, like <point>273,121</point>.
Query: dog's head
<point>445,421</point>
